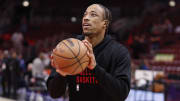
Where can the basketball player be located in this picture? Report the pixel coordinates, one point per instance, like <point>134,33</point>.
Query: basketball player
<point>107,77</point>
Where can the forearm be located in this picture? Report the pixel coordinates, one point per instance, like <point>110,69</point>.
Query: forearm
<point>117,86</point>
<point>56,85</point>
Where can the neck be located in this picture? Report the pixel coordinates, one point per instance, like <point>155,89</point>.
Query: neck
<point>95,40</point>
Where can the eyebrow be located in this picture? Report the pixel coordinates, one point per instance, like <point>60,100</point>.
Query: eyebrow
<point>91,12</point>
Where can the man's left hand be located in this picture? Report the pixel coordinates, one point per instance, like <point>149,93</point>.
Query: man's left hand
<point>90,54</point>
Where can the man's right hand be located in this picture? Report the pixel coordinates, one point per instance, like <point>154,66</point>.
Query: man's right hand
<point>57,69</point>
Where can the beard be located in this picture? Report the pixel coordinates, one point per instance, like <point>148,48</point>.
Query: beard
<point>87,33</point>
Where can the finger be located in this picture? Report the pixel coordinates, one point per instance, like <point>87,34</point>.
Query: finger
<point>52,53</point>
<point>51,57</point>
<point>83,40</point>
<point>89,48</point>
<point>52,63</point>
<point>88,54</point>
<point>86,41</point>
<point>61,72</point>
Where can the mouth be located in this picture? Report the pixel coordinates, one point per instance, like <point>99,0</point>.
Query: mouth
<point>85,25</point>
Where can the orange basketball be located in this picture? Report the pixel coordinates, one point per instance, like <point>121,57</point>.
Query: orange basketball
<point>70,56</point>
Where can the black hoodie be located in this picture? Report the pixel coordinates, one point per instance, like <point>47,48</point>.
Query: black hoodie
<point>109,81</point>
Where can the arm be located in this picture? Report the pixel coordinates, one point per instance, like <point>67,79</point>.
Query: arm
<point>117,85</point>
<point>56,84</point>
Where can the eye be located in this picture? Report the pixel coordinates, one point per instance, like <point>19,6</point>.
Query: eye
<point>84,14</point>
<point>93,14</point>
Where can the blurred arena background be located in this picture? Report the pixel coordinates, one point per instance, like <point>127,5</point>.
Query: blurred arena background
<point>30,29</point>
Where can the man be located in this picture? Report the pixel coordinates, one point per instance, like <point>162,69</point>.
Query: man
<point>6,73</point>
<point>16,73</point>
<point>38,65</point>
<point>107,77</point>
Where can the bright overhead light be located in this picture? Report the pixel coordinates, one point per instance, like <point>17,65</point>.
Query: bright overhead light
<point>73,19</point>
<point>172,3</point>
<point>25,3</point>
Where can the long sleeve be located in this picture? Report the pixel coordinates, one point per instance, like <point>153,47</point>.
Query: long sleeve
<point>56,85</point>
<point>117,84</point>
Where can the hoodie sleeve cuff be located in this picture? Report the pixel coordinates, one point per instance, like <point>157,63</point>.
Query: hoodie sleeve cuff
<point>99,71</point>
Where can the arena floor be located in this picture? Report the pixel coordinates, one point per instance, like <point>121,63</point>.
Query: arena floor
<point>5,99</point>
<point>139,95</point>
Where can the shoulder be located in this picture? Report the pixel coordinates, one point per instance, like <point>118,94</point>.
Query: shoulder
<point>120,52</point>
<point>118,48</point>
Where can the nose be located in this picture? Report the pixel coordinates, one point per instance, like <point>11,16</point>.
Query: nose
<point>85,18</point>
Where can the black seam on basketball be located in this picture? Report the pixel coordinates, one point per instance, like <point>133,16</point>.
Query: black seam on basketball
<point>73,52</point>
<point>75,56</point>
<point>82,62</point>
<point>78,66</point>
<point>84,55</point>
<point>70,50</point>
<point>78,61</point>
<point>74,62</point>
<point>62,56</point>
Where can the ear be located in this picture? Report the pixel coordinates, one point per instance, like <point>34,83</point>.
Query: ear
<point>106,23</point>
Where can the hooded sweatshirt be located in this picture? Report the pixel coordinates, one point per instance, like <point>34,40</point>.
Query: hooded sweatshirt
<point>108,81</point>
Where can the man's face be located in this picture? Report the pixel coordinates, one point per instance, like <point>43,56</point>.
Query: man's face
<point>93,20</point>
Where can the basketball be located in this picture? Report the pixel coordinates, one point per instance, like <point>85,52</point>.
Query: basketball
<point>70,56</point>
